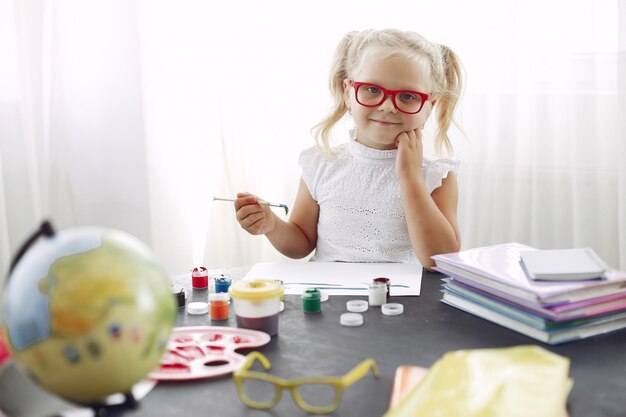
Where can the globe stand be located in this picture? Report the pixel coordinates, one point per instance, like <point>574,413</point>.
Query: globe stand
<point>107,410</point>
<point>45,229</point>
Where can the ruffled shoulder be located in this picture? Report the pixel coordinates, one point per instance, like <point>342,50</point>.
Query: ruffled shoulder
<point>313,163</point>
<point>310,156</point>
<point>435,170</point>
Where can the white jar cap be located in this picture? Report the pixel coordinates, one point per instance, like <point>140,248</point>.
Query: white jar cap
<point>392,309</point>
<point>351,319</point>
<point>357,306</point>
<point>219,296</point>
<point>197,308</point>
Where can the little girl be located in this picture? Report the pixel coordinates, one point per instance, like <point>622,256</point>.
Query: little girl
<point>375,198</point>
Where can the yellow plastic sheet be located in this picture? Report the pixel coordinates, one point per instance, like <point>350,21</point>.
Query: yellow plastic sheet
<point>526,381</point>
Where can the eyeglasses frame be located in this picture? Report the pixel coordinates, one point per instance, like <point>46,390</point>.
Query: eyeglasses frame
<point>339,384</point>
<point>387,92</point>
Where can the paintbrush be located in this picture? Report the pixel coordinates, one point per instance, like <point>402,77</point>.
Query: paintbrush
<point>267,203</point>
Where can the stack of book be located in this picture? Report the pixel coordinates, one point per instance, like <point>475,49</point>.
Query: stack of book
<point>492,282</point>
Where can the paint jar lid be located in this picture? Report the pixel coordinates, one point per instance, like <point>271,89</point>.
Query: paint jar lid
<point>357,306</point>
<point>378,287</point>
<point>197,308</point>
<point>223,278</point>
<point>254,290</point>
<point>311,294</point>
<point>351,319</point>
<point>219,296</point>
<point>392,309</point>
<point>199,272</point>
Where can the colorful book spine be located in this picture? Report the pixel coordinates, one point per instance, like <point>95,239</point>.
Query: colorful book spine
<point>490,283</point>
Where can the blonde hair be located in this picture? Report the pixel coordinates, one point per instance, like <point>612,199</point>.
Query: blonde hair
<point>445,73</point>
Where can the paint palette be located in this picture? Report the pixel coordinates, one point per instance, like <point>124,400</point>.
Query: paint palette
<point>205,352</point>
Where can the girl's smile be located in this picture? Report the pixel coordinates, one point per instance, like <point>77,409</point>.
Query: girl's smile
<point>385,122</point>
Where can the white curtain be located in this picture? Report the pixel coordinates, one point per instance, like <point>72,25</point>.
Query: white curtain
<point>621,150</point>
<point>72,143</point>
<point>543,114</point>
<point>133,114</point>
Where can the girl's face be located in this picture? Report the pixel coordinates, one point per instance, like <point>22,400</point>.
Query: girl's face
<point>377,127</point>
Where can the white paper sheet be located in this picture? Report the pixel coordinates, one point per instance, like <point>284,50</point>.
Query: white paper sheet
<point>340,278</point>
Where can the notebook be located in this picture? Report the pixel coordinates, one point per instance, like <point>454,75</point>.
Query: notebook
<point>563,264</point>
<point>498,267</point>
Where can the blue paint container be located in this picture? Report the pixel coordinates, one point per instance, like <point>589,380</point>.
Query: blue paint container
<point>222,283</point>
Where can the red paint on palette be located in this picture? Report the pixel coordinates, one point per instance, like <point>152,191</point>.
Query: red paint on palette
<point>206,352</point>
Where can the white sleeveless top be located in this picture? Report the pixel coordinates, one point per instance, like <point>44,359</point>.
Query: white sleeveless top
<point>361,216</point>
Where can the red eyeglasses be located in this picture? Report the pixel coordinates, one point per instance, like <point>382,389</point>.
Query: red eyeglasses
<point>372,95</point>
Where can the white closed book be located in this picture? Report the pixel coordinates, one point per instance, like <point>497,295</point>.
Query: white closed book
<point>563,264</point>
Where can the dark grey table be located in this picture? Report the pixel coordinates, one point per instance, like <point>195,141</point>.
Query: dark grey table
<point>316,345</point>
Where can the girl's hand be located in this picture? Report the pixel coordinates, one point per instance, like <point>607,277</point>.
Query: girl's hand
<point>256,219</point>
<point>410,154</point>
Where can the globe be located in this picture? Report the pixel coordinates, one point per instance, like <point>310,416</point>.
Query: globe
<point>88,312</point>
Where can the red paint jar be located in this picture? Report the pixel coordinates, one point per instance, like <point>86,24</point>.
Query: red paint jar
<point>200,278</point>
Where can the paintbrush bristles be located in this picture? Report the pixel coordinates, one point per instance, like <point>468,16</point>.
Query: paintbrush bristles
<point>267,203</point>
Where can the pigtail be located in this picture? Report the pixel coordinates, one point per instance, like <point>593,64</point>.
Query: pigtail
<point>453,77</point>
<point>338,73</point>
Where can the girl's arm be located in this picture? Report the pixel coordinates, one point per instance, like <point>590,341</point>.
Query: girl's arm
<point>431,218</point>
<point>295,238</point>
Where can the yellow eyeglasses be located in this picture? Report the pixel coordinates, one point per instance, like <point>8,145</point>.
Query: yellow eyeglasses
<point>316,395</point>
